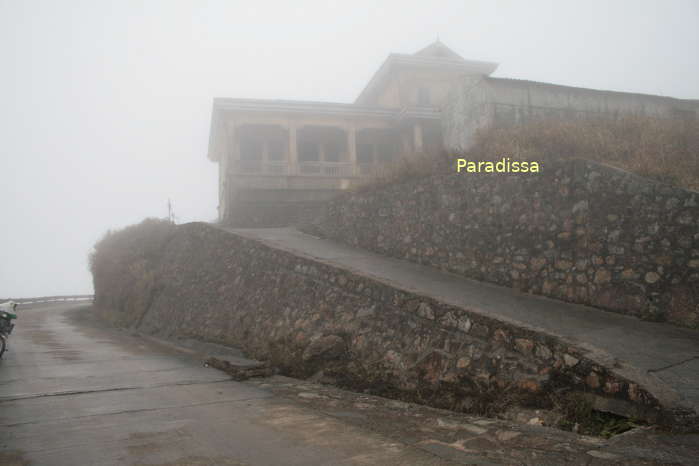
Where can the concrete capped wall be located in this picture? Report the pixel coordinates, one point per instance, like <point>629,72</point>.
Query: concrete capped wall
<point>578,231</point>
<point>480,102</point>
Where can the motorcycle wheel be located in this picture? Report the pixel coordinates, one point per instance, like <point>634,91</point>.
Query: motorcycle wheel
<point>3,345</point>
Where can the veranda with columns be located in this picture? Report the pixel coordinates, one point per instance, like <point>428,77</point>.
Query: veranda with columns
<point>316,147</point>
<point>279,155</point>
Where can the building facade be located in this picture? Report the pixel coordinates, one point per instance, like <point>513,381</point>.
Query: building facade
<point>278,159</point>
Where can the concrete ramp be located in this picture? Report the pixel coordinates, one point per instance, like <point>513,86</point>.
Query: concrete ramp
<point>652,360</point>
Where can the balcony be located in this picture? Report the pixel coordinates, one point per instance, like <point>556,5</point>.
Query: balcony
<point>258,167</point>
<point>325,169</point>
<point>342,169</point>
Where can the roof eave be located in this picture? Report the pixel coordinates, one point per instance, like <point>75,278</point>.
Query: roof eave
<point>301,107</point>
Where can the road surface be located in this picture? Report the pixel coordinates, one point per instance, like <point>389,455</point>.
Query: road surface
<point>76,392</point>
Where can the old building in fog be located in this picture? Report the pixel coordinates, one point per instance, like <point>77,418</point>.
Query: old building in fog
<point>278,157</point>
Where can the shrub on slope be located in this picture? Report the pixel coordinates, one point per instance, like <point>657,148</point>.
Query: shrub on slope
<point>662,149</point>
<point>125,260</point>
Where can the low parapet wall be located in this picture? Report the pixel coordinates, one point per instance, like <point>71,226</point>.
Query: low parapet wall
<point>577,231</point>
<point>479,102</point>
<point>308,317</point>
<point>51,299</point>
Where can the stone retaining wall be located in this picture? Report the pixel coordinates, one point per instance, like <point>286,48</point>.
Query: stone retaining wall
<point>578,231</point>
<point>270,214</point>
<point>309,318</point>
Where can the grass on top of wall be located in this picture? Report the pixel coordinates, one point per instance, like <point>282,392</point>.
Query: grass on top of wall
<point>142,241</point>
<point>407,168</point>
<point>665,150</point>
<point>123,265</point>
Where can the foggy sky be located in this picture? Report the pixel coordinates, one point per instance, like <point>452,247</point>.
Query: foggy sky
<point>105,105</point>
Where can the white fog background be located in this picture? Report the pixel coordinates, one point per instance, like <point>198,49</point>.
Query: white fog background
<point>105,105</point>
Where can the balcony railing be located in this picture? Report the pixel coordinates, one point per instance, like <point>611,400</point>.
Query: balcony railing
<point>258,167</point>
<point>366,169</point>
<point>326,168</point>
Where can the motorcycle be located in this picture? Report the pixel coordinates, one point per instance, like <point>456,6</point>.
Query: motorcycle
<point>7,315</point>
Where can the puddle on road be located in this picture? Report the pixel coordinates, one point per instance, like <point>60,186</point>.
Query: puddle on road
<point>145,445</point>
<point>48,339</point>
<point>13,458</point>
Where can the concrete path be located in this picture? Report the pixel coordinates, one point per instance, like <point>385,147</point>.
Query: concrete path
<point>661,357</point>
<point>74,392</point>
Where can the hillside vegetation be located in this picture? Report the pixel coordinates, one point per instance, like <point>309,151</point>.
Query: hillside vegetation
<point>124,262</point>
<point>662,149</point>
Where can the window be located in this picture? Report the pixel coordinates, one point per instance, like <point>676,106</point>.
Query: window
<point>387,152</point>
<point>275,151</point>
<point>333,152</point>
<point>308,152</point>
<point>423,97</point>
<point>250,150</point>
<point>365,153</point>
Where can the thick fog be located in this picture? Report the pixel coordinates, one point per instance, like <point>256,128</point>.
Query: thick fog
<point>105,105</point>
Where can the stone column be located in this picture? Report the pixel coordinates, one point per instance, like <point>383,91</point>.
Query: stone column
<point>293,150</point>
<point>234,153</point>
<point>417,137</point>
<point>352,148</point>
<point>405,143</point>
<point>228,167</point>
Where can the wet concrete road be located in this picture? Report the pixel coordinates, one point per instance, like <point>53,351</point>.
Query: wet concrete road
<point>76,392</point>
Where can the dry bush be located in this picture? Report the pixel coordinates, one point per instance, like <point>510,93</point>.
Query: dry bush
<point>406,168</point>
<point>123,265</point>
<point>141,241</point>
<point>662,149</point>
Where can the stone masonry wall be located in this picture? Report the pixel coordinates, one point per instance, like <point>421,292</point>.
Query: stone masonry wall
<point>311,318</point>
<point>259,208</point>
<point>244,214</point>
<point>578,231</point>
